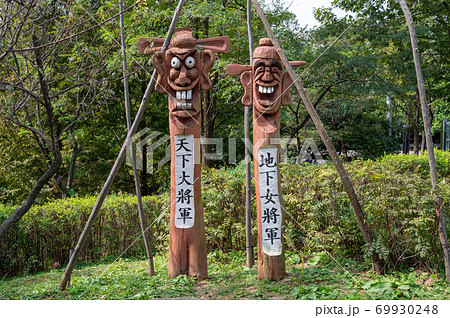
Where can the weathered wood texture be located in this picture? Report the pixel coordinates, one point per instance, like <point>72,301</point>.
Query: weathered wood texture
<point>377,263</point>
<point>183,71</point>
<point>248,177</point>
<point>266,87</point>
<point>101,198</point>
<point>142,220</point>
<point>430,145</point>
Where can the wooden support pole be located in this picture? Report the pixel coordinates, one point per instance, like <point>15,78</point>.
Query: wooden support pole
<point>142,220</point>
<point>69,281</point>
<point>367,234</point>
<point>248,176</point>
<point>101,198</point>
<point>430,145</point>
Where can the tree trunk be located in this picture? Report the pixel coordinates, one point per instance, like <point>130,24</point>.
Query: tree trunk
<point>430,145</point>
<point>75,152</point>
<point>416,139</point>
<point>142,219</point>
<point>416,125</point>
<point>406,138</point>
<point>55,149</point>
<point>26,205</point>
<point>422,147</point>
<point>144,171</point>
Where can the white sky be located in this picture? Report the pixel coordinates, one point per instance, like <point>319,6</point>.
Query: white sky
<point>304,10</point>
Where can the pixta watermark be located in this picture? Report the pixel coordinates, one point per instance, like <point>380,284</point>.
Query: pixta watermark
<point>152,150</point>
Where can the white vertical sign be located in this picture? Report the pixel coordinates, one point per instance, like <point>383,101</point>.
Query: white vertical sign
<point>271,214</point>
<point>184,181</point>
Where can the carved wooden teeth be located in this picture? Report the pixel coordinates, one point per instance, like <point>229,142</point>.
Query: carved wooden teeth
<point>184,105</point>
<point>184,94</point>
<point>266,90</point>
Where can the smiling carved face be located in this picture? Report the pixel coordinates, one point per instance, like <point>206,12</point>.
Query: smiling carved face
<point>267,86</point>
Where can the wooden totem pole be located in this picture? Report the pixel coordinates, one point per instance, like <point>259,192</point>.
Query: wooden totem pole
<point>266,87</point>
<point>182,72</point>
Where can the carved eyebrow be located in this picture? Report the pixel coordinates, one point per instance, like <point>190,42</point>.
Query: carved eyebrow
<point>185,54</point>
<point>181,55</point>
<point>258,64</point>
<point>277,64</point>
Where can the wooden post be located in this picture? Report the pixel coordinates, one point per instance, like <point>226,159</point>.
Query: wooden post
<point>101,198</point>
<point>183,71</point>
<point>377,264</point>
<point>248,177</point>
<point>142,221</point>
<point>266,87</point>
<point>430,145</point>
<point>70,278</point>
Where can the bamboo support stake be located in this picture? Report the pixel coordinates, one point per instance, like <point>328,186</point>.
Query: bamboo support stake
<point>248,180</point>
<point>142,220</point>
<point>368,238</point>
<point>119,160</point>
<point>430,146</point>
<point>70,256</point>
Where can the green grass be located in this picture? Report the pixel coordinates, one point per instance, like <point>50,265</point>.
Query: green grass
<point>229,278</point>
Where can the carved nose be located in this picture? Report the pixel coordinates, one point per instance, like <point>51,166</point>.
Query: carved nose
<point>183,79</point>
<point>267,77</point>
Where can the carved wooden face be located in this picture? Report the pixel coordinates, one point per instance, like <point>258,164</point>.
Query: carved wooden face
<point>183,65</point>
<point>264,82</point>
<point>267,85</point>
<point>183,71</point>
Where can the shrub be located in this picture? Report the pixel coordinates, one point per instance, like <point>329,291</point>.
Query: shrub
<point>223,196</point>
<point>44,236</point>
<point>397,200</point>
<point>394,190</point>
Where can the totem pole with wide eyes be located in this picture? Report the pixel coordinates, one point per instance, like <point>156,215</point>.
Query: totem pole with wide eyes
<point>266,87</point>
<point>182,72</point>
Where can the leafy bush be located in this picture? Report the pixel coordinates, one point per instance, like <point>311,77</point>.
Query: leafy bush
<point>44,236</point>
<point>397,200</point>
<point>223,196</point>
<point>394,190</point>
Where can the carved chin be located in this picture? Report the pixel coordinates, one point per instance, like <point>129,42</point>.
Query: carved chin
<point>184,110</point>
<point>267,98</point>
<point>184,119</point>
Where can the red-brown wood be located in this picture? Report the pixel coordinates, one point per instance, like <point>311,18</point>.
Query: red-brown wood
<point>267,87</point>
<point>183,71</point>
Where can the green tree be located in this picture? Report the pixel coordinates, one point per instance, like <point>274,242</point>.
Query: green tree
<point>50,83</point>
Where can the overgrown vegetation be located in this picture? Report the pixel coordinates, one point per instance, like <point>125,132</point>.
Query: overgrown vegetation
<point>396,195</point>
<point>62,123</point>
<point>320,277</point>
<point>394,191</point>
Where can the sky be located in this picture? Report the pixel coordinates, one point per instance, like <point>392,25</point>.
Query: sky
<point>304,10</point>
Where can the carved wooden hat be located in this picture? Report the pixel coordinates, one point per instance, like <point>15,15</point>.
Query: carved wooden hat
<point>266,50</point>
<point>183,38</point>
